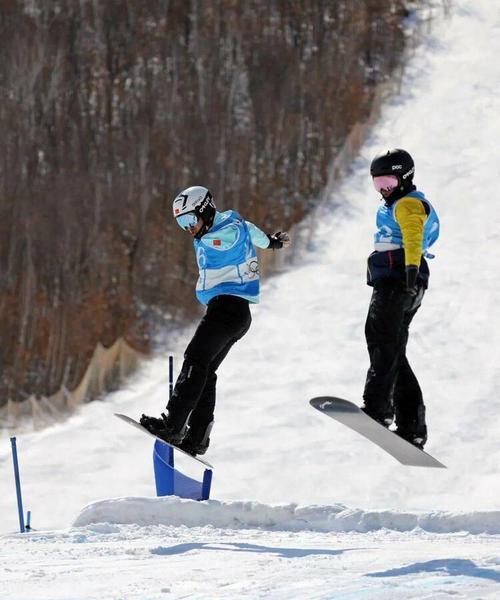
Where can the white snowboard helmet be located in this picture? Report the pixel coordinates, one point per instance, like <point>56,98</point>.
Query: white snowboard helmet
<point>194,203</point>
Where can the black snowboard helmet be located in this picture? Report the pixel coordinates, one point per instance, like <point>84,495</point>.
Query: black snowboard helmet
<point>395,162</point>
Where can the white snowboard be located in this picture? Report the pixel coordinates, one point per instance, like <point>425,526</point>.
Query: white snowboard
<point>349,414</point>
<point>137,425</point>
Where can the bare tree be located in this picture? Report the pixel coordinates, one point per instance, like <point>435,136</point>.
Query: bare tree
<point>107,109</point>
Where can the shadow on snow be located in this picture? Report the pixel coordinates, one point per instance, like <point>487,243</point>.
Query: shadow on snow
<point>238,547</point>
<point>452,566</point>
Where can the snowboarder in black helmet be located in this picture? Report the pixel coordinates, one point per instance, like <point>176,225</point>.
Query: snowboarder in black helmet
<point>407,225</point>
<point>224,244</point>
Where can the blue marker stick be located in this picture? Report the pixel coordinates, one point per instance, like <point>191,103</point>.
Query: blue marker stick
<point>18,484</point>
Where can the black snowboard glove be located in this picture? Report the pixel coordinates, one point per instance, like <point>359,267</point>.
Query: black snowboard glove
<point>411,279</point>
<point>279,240</point>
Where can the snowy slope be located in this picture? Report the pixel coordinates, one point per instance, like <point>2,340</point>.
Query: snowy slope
<point>269,446</point>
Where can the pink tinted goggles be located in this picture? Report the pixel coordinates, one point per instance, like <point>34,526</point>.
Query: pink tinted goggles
<point>385,183</point>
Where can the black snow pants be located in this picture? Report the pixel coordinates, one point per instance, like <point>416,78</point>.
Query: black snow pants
<point>391,387</point>
<point>226,321</point>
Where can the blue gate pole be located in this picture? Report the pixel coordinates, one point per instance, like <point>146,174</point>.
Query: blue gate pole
<point>18,485</point>
<point>205,486</point>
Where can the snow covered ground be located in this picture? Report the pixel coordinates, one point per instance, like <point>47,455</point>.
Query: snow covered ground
<point>162,562</point>
<point>303,507</point>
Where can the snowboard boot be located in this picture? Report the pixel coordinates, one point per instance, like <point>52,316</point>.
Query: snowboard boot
<point>197,440</point>
<point>384,416</point>
<point>417,439</point>
<point>165,428</point>
<point>414,431</point>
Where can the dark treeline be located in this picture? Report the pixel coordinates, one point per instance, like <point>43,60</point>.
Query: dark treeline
<point>109,107</point>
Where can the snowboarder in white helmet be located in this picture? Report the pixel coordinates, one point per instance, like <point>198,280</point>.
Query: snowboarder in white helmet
<point>228,282</point>
<point>407,225</point>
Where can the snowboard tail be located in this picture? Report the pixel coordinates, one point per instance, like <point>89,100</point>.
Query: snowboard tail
<point>352,416</point>
<point>137,425</point>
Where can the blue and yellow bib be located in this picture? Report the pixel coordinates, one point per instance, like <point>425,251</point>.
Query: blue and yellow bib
<point>389,231</point>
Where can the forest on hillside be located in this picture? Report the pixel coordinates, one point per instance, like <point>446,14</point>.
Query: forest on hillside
<point>109,107</point>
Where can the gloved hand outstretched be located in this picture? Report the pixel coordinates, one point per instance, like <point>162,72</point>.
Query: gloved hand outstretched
<point>279,240</point>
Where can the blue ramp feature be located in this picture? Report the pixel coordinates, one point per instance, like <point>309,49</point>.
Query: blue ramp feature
<point>171,482</point>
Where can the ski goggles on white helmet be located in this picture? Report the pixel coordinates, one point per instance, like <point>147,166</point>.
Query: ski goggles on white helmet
<point>385,184</point>
<point>187,221</point>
